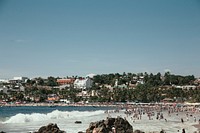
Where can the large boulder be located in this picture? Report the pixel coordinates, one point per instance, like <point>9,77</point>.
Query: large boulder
<point>110,125</point>
<point>50,128</point>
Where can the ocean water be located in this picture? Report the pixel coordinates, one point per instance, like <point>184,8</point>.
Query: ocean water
<point>30,119</point>
<point>24,119</point>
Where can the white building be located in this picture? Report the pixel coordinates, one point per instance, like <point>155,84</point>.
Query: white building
<point>23,79</point>
<point>187,87</point>
<point>4,81</point>
<point>85,83</point>
<point>4,89</point>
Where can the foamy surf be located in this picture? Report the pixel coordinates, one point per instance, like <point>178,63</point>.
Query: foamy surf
<point>56,114</point>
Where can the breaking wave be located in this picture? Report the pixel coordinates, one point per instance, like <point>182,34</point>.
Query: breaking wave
<point>56,114</point>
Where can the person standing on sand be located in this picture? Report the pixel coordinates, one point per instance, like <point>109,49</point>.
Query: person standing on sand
<point>183,130</point>
<point>187,119</point>
<point>113,130</point>
<point>194,119</point>
<point>182,120</point>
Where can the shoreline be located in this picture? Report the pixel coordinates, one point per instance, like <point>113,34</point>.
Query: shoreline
<point>57,104</point>
<point>156,106</point>
<point>146,107</point>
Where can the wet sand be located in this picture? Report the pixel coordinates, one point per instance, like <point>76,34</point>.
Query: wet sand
<point>197,126</point>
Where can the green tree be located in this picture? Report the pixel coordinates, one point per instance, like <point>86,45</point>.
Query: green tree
<point>104,95</point>
<point>51,81</point>
<point>167,78</point>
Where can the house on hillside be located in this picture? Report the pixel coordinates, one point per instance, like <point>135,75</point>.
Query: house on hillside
<point>186,87</point>
<point>83,83</point>
<point>4,89</point>
<point>65,83</point>
<point>53,98</point>
<point>18,80</point>
<point>68,81</point>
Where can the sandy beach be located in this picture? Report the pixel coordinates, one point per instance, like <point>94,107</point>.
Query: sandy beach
<point>197,126</point>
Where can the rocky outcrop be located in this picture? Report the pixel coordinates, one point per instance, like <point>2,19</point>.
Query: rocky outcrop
<point>110,125</point>
<point>51,128</point>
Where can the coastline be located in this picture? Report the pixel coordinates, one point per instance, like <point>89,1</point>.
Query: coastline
<point>57,104</point>
<point>158,106</point>
<point>175,115</point>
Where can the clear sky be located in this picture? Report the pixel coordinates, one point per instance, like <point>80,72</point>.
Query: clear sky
<point>78,37</point>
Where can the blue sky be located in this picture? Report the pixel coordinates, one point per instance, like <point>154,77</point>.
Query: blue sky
<point>65,37</point>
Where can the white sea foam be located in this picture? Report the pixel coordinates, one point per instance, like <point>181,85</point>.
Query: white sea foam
<point>34,117</point>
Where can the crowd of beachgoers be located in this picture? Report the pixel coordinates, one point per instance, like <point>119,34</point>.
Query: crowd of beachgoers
<point>182,113</point>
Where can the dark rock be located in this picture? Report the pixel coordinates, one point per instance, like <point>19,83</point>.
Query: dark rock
<point>78,122</point>
<point>2,132</point>
<point>138,131</point>
<point>51,128</point>
<point>118,124</point>
<point>162,131</point>
<point>122,126</point>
